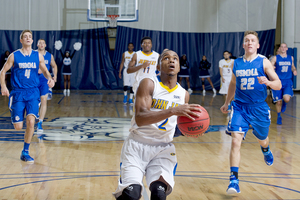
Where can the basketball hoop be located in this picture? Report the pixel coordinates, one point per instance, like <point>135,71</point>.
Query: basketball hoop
<point>113,19</point>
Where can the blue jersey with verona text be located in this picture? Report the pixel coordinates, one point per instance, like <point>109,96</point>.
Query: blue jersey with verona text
<point>24,73</point>
<point>47,58</point>
<point>284,67</point>
<point>248,89</point>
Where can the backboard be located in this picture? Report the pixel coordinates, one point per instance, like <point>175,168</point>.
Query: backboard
<point>99,10</point>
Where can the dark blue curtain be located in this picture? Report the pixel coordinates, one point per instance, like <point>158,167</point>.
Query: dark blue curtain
<point>194,45</point>
<point>91,65</point>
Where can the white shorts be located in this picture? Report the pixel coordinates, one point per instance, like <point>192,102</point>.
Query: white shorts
<point>128,79</point>
<point>225,86</point>
<point>140,159</point>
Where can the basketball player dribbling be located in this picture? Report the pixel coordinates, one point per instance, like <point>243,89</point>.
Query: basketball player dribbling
<point>43,86</point>
<point>25,95</point>
<point>248,86</point>
<point>143,63</point>
<point>128,79</point>
<point>148,150</point>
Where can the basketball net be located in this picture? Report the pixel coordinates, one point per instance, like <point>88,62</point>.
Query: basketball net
<point>112,20</point>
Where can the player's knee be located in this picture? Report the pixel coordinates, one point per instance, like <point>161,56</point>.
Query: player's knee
<point>158,190</point>
<point>18,126</point>
<point>132,192</point>
<point>236,143</point>
<point>30,121</point>
<point>279,102</point>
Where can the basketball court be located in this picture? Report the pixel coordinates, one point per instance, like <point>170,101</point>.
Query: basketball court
<point>77,156</point>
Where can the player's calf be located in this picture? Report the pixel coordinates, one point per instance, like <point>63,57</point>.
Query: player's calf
<point>158,190</point>
<point>132,192</point>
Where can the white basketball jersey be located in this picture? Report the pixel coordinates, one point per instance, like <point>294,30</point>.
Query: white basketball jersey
<point>145,72</point>
<point>163,98</point>
<point>127,57</point>
<point>226,67</point>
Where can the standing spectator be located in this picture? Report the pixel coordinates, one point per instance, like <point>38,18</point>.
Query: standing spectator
<point>204,67</point>
<point>184,72</point>
<point>67,60</point>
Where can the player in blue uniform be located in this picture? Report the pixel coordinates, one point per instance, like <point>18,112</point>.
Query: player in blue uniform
<point>285,68</point>
<point>248,86</point>
<point>43,86</point>
<point>25,95</point>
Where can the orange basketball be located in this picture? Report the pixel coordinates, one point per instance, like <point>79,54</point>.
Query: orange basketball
<point>195,128</point>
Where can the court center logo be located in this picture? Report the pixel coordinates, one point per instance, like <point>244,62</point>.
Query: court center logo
<point>86,129</point>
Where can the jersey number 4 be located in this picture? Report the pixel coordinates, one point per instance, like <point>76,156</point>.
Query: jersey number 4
<point>27,73</point>
<point>247,83</point>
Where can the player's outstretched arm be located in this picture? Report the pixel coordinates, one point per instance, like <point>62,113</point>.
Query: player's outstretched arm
<point>274,81</point>
<point>54,68</point>
<point>121,65</point>
<point>9,63</point>
<point>131,66</point>
<point>45,71</point>
<point>143,114</point>
<point>294,70</point>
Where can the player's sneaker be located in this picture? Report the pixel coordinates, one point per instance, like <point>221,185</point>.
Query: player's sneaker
<point>26,157</point>
<point>125,100</point>
<point>204,92</point>
<point>65,92</point>
<point>283,107</point>
<point>233,187</point>
<point>39,127</point>
<point>268,156</point>
<point>68,92</point>
<point>279,120</point>
<point>130,101</point>
<point>190,91</point>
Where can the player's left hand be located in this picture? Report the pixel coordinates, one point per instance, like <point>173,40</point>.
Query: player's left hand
<point>263,80</point>
<point>51,83</point>
<point>295,72</point>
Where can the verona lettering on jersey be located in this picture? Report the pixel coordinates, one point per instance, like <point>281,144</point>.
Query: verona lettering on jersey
<point>27,65</point>
<point>246,72</point>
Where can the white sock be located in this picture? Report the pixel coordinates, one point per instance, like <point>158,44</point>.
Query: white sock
<point>131,95</point>
<point>41,120</point>
<point>125,93</point>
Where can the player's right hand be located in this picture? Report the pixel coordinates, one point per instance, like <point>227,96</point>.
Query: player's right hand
<point>4,91</point>
<point>223,80</point>
<point>146,64</point>
<point>120,75</point>
<point>224,109</point>
<point>187,110</point>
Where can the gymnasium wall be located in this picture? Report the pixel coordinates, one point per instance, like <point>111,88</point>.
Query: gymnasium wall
<point>194,27</point>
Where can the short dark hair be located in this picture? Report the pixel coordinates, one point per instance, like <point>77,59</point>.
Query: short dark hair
<point>145,38</point>
<point>130,43</point>
<point>226,51</point>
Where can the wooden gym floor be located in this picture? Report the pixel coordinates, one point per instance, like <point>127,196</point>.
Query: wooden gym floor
<point>77,156</point>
